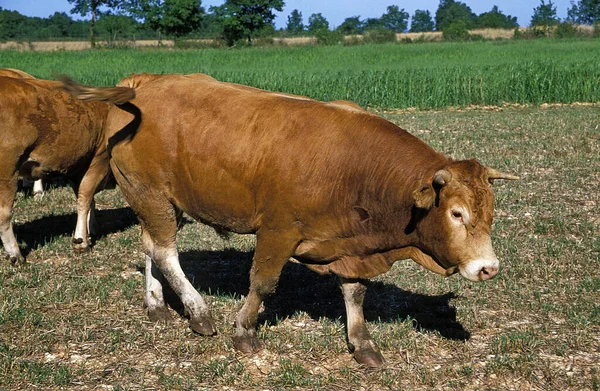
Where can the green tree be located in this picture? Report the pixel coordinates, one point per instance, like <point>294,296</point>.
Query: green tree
<point>372,24</point>
<point>450,11</point>
<point>421,22</point>
<point>496,19</point>
<point>351,25</point>
<point>456,31</point>
<point>114,27</point>
<point>544,15</point>
<point>395,19</point>
<point>172,17</point>
<point>246,18</point>
<point>92,8</point>
<point>61,23</point>
<point>210,27</point>
<point>12,24</point>
<point>295,26</point>
<point>585,12</point>
<point>317,23</point>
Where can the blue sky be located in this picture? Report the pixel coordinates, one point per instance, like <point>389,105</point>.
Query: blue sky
<point>335,11</point>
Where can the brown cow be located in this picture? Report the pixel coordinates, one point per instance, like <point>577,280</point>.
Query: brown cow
<point>327,184</point>
<point>38,186</point>
<point>45,130</point>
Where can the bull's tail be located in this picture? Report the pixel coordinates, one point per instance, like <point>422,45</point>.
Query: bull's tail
<point>116,95</point>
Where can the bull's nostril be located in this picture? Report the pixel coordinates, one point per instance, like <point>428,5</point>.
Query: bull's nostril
<point>487,273</point>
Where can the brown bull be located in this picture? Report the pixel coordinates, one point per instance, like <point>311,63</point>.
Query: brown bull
<point>326,184</point>
<point>44,130</point>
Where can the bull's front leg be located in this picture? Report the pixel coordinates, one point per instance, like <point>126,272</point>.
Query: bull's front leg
<point>273,249</point>
<point>360,342</point>
<point>38,189</point>
<point>8,189</point>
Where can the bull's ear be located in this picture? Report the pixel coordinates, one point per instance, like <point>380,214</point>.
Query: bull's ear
<point>425,193</point>
<point>424,197</point>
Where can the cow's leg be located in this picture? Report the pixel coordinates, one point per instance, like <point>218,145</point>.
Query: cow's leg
<point>84,191</point>
<point>92,222</point>
<point>154,299</point>
<point>273,249</point>
<point>167,261</point>
<point>158,218</point>
<point>8,189</point>
<point>38,189</point>
<point>360,342</point>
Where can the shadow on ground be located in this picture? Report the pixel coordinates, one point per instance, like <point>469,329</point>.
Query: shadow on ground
<point>38,232</point>
<point>300,289</point>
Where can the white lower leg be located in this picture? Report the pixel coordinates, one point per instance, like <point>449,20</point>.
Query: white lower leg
<point>154,300</point>
<point>195,307</point>
<point>360,342</point>
<point>38,188</point>
<point>10,242</point>
<point>80,236</point>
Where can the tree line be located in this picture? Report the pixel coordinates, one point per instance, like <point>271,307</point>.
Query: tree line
<point>238,21</point>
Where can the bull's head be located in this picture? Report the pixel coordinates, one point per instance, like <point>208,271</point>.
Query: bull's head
<point>455,208</point>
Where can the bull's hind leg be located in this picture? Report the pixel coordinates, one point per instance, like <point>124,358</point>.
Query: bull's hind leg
<point>84,191</point>
<point>167,261</point>
<point>158,218</point>
<point>360,342</point>
<point>154,300</point>
<point>273,249</point>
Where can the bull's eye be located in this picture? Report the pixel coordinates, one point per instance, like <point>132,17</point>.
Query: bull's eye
<point>457,216</point>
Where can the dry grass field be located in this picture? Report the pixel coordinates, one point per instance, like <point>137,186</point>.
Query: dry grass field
<point>41,46</point>
<point>51,46</point>
<point>76,322</point>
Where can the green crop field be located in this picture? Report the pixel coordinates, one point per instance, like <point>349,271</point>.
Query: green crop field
<point>76,322</point>
<point>428,75</point>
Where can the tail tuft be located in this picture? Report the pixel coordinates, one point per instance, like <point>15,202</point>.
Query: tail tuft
<point>116,95</point>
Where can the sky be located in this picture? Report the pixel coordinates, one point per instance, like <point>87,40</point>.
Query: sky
<point>335,11</point>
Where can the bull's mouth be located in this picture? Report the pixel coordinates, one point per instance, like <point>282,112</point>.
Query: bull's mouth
<point>451,270</point>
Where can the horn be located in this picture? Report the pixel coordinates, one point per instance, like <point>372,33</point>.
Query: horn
<point>495,174</point>
<point>442,177</point>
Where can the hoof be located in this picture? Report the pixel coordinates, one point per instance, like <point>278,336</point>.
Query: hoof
<point>369,358</point>
<point>18,260</point>
<point>248,345</point>
<point>79,247</point>
<point>204,326</point>
<point>159,314</point>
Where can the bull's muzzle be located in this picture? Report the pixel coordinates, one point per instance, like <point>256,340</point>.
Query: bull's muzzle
<point>479,269</point>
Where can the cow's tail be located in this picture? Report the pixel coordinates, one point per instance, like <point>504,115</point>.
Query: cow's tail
<point>116,95</point>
